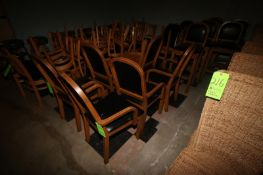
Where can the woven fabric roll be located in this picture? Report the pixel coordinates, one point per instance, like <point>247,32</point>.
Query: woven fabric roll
<point>190,162</point>
<point>247,63</point>
<point>253,48</point>
<point>232,128</point>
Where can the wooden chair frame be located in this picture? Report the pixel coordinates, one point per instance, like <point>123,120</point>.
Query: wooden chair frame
<point>175,76</point>
<point>22,76</point>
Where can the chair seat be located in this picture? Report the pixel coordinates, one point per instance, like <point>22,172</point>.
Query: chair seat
<point>159,78</point>
<point>110,105</point>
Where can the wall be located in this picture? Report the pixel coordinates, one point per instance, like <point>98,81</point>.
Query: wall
<point>34,17</point>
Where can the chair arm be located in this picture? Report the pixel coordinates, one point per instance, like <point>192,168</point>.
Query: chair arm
<point>92,86</point>
<point>156,88</point>
<point>158,72</point>
<point>118,115</point>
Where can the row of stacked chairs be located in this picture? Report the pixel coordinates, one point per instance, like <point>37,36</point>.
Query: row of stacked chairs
<point>88,69</point>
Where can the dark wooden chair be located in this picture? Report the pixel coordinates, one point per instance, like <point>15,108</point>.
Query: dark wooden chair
<point>51,76</point>
<point>197,35</point>
<point>26,75</point>
<point>129,80</point>
<point>108,116</point>
<point>229,39</point>
<point>171,77</point>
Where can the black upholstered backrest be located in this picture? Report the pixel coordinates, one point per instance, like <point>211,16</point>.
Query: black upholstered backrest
<point>153,50</point>
<point>213,27</point>
<point>171,34</point>
<point>230,31</point>
<point>128,75</point>
<point>95,58</point>
<point>197,33</point>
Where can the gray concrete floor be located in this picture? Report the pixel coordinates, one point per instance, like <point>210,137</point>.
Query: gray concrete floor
<point>35,140</point>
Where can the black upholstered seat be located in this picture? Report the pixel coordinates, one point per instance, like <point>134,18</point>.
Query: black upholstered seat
<point>110,105</point>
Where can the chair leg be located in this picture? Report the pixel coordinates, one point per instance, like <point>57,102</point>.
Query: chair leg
<point>39,99</point>
<point>176,90</point>
<point>106,142</point>
<point>140,126</point>
<point>77,117</point>
<point>61,107</point>
<point>189,81</point>
<point>161,101</point>
<point>19,86</point>
<point>166,98</point>
<point>86,128</point>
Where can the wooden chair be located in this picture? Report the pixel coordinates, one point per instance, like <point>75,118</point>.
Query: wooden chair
<point>26,75</point>
<point>96,63</point>
<point>107,116</point>
<point>171,79</point>
<point>129,80</point>
<point>228,40</point>
<point>52,77</point>
<point>196,34</point>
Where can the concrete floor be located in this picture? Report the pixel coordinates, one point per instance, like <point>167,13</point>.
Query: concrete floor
<point>35,140</point>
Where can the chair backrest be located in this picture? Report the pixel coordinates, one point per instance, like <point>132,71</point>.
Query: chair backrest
<point>213,27</point>
<point>230,31</point>
<point>128,77</point>
<point>78,96</point>
<point>152,52</point>
<point>197,34</point>
<point>183,61</point>
<point>94,58</point>
<point>170,35</point>
<point>68,63</point>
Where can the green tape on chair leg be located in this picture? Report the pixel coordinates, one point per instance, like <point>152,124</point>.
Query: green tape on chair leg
<point>7,70</point>
<point>50,88</point>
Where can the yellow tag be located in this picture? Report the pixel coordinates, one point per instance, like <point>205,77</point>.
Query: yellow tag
<point>217,85</point>
<point>100,129</point>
